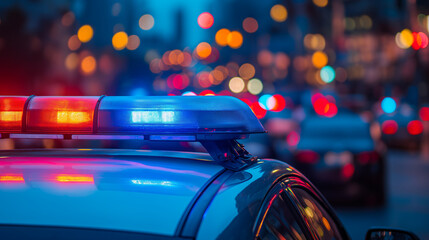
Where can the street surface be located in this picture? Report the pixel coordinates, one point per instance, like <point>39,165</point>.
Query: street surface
<point>408,199</point>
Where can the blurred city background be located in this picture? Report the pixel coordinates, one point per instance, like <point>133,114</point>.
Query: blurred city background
<point>340,85</point>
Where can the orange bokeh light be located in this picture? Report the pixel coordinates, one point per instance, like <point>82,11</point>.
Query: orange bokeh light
<point>88,65</point>
<point>235,39</point>
<point>222,37</point>
<point>203,50</point>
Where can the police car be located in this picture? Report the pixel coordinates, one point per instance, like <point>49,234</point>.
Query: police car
<point>143,194</point>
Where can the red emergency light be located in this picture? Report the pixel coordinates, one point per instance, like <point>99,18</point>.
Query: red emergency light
<point>11,109</point>
<point>61,114</point>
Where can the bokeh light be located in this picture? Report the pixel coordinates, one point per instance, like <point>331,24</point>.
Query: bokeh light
<point>292,138</point>
<point>388,105</point>
<point>319,59</point>
<point>221,37</point>
<point>250,25</point>
<point>236,85</point>
<point>265,58</point>
<point>74,43</point>
<point>133,42</point>
<point>72,61</point>
<point>424,113</point>
<point>405,39</point>
<point>203,50</point>
<point>88,65</point>
<point>180,81</point>
<point>321,106</point>
<point>119,40</point>
<point>327,74</point>
<point>279,103</point>
<point>146,22</point>
<point>332,110</point>
<point>205,20</point>
<point>389,127</point>
<point>68,19</point>
<point>278,13</point>
<point>204,79</point>
<point>320,3</point>
<point>207,92</point>
<point>415,127</point>
<point>314,42</point>
<point>85,33</point>
<point>246,71</point>
<point>258,110</point>
<point>189,93</point>
<point>267,101</point>
<point>255,86</point>
<point>235,39</point>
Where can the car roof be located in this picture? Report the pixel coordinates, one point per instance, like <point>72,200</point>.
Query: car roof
<point>126,190</point>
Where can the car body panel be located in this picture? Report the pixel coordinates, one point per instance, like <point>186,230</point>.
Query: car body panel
<point>102,189</point>
<point>240,199</point>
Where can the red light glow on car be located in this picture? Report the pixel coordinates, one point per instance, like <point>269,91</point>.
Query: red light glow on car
<point>12,178</point>
<point>74,178</point>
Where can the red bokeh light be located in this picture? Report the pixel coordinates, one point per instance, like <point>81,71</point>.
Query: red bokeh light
<point>332,110</point>
<point>292,138</point>
<point>417,41</point>
<point>415,127</point>
<point>207,92</point>
<point>280,103</point>
<point>321,106</point>
<point>424,40</point>
<point>389,127</point>
<point>348,171</point>
<point>180,81</point>
<point>424,113</point>
<point>258,110</point>
<point>205,20</point>
<point>247,101</point>
<point>315,97</point>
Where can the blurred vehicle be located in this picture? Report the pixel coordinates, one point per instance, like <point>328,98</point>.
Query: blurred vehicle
<point>402,128</point>
<point>342,158</point>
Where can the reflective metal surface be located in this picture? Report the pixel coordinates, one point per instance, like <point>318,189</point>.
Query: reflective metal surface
<point>234,210</point>
<point>146,191</point>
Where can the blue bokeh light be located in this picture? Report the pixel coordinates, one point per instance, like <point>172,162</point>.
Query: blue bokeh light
<point>327,73</point>
<point>263,101</point>
<point>388,105</point>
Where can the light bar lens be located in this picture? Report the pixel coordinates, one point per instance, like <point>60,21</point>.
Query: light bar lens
<point>176,115</point>
<point>61,114</point>
<point>11,109</point>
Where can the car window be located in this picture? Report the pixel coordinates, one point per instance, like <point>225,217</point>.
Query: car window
<point>321,223</point>
<point>280,222</point>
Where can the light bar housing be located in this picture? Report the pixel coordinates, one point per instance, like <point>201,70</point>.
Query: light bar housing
<point>169,118</point>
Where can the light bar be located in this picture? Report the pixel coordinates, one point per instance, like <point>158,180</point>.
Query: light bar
<point>11,109</point>
<point>169,118</point>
